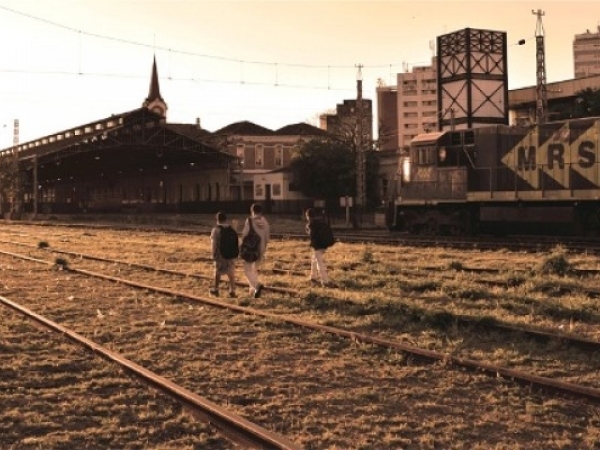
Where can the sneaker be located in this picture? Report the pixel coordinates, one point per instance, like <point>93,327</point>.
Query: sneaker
<point>258,290</point>
<point>232,294</point>
<point>214,292</point>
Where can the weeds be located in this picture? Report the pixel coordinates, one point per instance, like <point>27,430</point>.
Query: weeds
<point>556,263</point>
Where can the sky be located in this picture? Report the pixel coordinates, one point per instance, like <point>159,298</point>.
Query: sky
<point>64,63</point>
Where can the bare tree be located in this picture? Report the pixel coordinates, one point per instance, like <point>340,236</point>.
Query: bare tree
<point>9,180</point>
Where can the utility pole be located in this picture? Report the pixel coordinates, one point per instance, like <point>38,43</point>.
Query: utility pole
<point>541,96</point>
<point>360,151</point>
<point>16,205</point>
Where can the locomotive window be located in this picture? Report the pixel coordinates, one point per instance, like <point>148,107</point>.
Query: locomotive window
<point>426,155</point>
<point>469,137</point>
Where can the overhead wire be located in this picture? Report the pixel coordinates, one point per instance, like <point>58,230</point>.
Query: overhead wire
<point>275,65</point>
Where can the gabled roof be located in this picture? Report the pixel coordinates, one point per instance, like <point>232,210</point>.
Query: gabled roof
<point>192,131</point>
<point>245,128</point>
<point>301,129</point>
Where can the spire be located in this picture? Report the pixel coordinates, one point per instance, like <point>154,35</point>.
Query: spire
<point>154,93</point>
<point>154,101</point>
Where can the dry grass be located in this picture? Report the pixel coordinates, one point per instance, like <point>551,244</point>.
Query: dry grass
<point>332,394</point>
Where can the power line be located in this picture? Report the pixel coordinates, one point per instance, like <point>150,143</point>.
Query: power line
<point>278,84</point>
<point>188,53</point>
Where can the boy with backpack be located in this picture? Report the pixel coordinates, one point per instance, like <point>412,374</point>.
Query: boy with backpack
<point>256,234</point>
<point>224,250</point>
<point>321,238</point>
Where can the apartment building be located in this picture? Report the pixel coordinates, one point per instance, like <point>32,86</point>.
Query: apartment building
<point>416,102</point>
<point>586,54</point>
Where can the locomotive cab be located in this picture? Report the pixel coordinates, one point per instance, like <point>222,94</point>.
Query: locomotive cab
<point>435,174</point>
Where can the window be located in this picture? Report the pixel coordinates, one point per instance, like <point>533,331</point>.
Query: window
<point>240,152</point>
<point>277,190</point>
<point>258,191</point>
<point>259,155</point>
<point>279,155</point>
<point>384,187</point>
<point>426,155</point>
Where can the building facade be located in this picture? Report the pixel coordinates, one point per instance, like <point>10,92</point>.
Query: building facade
<point>586,54</point>
<point>417,102</point>
<point>387,116</point>
<point>260,171</point>
<point>344,121</point>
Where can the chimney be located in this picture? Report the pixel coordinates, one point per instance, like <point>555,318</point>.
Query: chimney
<point>198,123</point>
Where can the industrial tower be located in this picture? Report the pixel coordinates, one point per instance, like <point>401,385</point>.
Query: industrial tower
<point>541,94</point>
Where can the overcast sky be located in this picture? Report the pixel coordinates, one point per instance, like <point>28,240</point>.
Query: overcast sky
<point>68,62</point>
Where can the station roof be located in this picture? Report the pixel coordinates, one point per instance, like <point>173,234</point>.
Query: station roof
<point>126,143</point>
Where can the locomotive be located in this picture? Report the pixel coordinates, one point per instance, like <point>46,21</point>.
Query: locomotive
<point>501,179</point>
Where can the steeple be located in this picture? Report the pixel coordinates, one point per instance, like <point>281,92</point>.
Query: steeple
<point>154,101</point>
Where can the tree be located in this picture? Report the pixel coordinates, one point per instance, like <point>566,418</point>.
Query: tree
<point>586,104</point>
<point>9,179</point>
<point>326,169</point>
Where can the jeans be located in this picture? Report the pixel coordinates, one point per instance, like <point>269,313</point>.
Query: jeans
<point>318,269</point>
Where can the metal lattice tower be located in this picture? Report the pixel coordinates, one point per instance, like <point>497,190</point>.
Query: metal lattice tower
<point>360,151</point>
<point>541,96</point>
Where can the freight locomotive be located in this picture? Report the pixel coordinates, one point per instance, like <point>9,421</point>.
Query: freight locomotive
<point>500,179</point>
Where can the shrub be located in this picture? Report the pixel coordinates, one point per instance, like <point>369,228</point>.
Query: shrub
<point>556,263</point>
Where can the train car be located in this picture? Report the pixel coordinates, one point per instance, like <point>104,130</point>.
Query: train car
<point>502,179</point>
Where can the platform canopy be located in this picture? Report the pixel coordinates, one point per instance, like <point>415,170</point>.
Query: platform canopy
<point>118,146</point>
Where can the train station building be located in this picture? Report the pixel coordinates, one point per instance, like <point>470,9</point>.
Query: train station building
<point>137,161</point>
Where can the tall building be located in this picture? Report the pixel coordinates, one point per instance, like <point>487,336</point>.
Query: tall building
<point>586,54</point>
<point>416,103</point>
<point>343,121</point>
<point>387,115</point>
<point>409,108</point>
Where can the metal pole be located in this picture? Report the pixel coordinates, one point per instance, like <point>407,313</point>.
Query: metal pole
<point>540,51</point>
<point>360,155</point>
<point>35,186</point>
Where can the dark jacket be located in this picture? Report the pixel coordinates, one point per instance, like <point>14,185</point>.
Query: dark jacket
<point>315,228</point>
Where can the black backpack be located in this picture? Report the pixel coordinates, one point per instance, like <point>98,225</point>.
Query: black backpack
<point>250,250</point>
<point>324,235</point>
<point>228,243</point>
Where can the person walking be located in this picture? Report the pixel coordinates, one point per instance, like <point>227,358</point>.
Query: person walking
<point>321,238</point>
<point>260,225</point>
<point>224,251</point>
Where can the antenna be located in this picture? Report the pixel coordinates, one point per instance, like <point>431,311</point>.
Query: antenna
<point>540,53</point>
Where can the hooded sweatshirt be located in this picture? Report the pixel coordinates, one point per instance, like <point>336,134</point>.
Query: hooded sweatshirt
<point>261,226</point>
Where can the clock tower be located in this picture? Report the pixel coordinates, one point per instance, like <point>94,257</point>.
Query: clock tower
<point>154,102</point>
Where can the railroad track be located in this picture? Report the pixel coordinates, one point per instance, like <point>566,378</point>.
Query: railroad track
<point>179,284</point>
<point>491,369</point>
<point>368,235</point>
<point>232,426</point>
<point>448,360</point>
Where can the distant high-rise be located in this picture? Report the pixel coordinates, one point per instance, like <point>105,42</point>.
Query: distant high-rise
<point>413,110</point>
<point>586,54</point>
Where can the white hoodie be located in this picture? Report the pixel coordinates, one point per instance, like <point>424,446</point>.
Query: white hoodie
<point>261,226</point>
